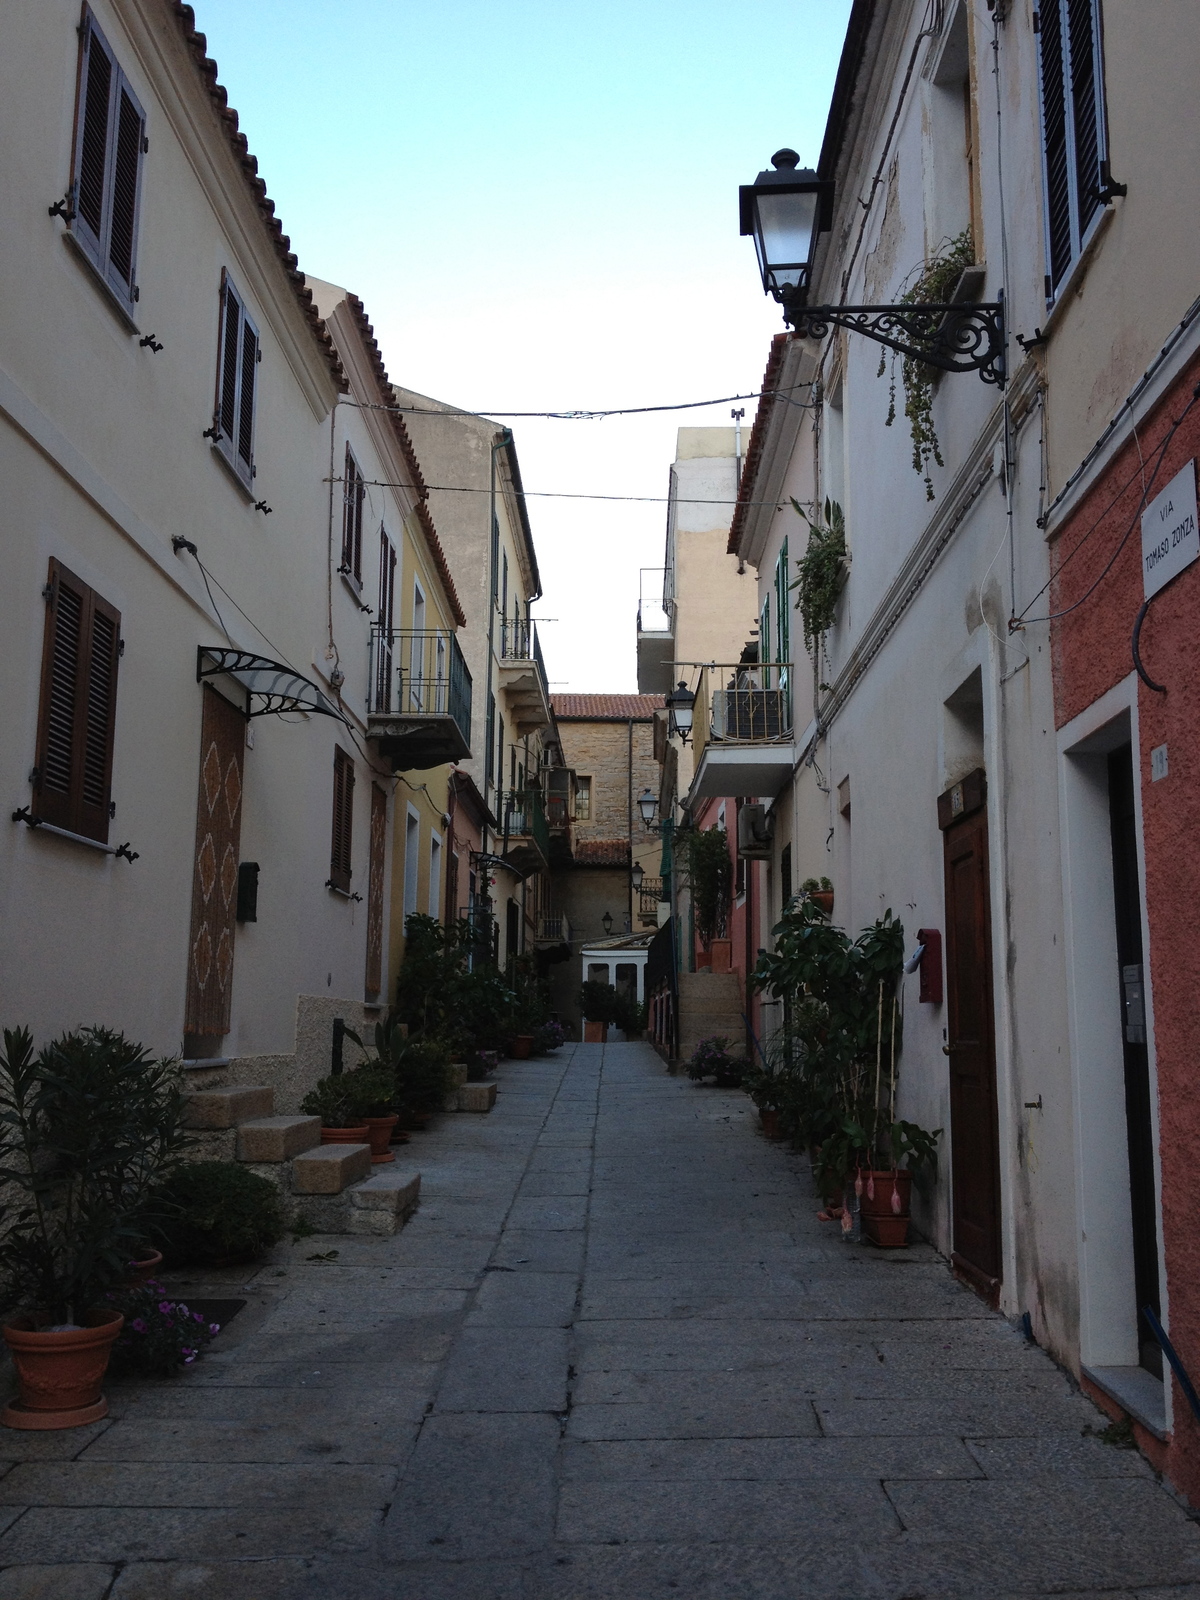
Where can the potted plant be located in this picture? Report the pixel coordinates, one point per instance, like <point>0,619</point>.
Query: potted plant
<point>886,1187</point>
<point>423,1079</point>
<point>598,1002</point>
<point>766,1089</point>
<point>550,1036</point>
<point>820,892</point>
<point>713,1058</point>
<point>344,1101</point>
<point>218,1213</point>
<point>88,1124</point>
<point>629,1016</point>
<point>481,1064</point>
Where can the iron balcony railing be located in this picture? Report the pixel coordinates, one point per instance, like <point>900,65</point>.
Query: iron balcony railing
<point>556,929</point>
<point>419,674</point>
<point>519,642</point>
<point>523,816</point>
<point>649,895</point>
<point>744,704</point>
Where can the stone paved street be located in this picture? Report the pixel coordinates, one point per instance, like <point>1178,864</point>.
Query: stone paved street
<point>613,1355</point>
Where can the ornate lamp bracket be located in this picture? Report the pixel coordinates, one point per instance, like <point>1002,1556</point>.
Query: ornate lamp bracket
<point>954,338</point>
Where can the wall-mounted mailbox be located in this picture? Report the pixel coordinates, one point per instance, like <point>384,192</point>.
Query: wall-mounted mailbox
<point>931,965</point>
<point>247,892</point>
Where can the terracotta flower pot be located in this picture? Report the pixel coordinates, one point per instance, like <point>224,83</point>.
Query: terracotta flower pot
<point>379,1136</point>
<point>720,953</point>
<point>60,1373</point>
<point>770,1122</point>
<point>419,1120</point>
<point>879,1188</point>
<point>143,1269</point>
<point>823,900</point>
<point>345,1135</point>
<point>890,1233</point>
<point>522,1047</point>
<point>594,1032</point>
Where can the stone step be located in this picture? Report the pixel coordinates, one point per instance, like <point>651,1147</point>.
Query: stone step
<point>458,1076</point>
<point>213,1109</point>
<point>277,1138</point>
<point>380,1205</point>
<point>330,1168</point>
<point>476,1096</point>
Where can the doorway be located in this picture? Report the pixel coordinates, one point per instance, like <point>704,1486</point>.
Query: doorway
<point>970,1044</point>
<point>1129,977</point>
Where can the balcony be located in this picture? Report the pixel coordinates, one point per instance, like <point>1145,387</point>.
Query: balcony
<point>554,930</point>
<point>560,814</point>
<point>523,677</point>
<point>655,631</point>
<point>419,711</point>
<point>744,740</point>
<point>525,834</point>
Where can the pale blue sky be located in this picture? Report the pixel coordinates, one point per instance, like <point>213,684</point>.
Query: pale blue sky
<point>538,204</point>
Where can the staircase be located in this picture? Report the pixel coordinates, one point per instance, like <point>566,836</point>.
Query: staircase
<point>710,1006</point>
<point>330,1186</point>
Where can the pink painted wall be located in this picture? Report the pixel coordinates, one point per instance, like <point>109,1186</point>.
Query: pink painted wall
<point>743,916</point>
<point>1091,652</point>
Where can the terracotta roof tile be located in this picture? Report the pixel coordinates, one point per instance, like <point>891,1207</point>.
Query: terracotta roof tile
<point>197,46</point>
<point>602,852</point>
<point>758,437</point>
<point>606,707</point>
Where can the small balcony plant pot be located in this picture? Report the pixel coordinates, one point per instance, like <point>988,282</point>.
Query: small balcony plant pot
<point>144,1268</point>
<point>379,1137</point>
<point>721,955</point>
<point>769,1118</point>
<point>522,1047</point>
<point>594,1032</point>
<point>60,1374</point>
<point>357,1135</point>
<point>823,900</point>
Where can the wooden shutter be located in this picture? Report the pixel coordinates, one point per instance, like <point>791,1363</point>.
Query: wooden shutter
<point>110,142</point>
<point>343,820</point>
<point>354,495</point>
<point>215,876</point>
<point>783,643</point>
<point>237,383</point>
<point>1082,34</point>
<point>375,892</point>
<point>77,714</point>
<point>1074,143</point>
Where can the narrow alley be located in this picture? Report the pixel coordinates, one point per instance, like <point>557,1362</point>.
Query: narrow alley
<point>614,1354</point>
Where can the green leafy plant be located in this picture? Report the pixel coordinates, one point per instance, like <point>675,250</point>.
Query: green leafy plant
<point>423,1076</point>
<point>343,1099</point>
<point>598,1002</point>
<point>820,572</point>
<point>709,872</point>
<point>934,286</point>
<point>88,1127</point>
<point>448,989</point>
<point>816,886</point>
<point>628,1015</point>
<point>218,1211</point>
<point>713,1058</point>
<point>160,1335</point>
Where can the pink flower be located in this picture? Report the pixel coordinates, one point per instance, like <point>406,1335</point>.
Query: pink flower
<point>198,1316</point>
<point>138,1324</point>
<point>214,1327</point>
<point>165,1307</point>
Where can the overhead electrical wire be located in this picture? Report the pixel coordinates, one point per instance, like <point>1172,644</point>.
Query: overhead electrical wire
<point>559,494</point>
<point>578,415</point>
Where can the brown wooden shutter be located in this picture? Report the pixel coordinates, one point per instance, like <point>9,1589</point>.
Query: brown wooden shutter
<point>215,878</point>
<point>77,715</point>
<point>375,891</point>
<point>343,820</point>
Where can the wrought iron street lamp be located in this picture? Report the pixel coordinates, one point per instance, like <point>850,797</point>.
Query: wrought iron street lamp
<point>606,922</point>
<point>647,805</point>
<point>637,873</point>
<point>787,209</point>
<point>680,702</point>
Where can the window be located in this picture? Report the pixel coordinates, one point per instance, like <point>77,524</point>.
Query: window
<point>1074,134</point>
<point>764,631</point>
<point>238,355</point>
<point>785,876</point>
<point>583,799</point>
<point>783,642</point>
<point>435,876</point>
<point>77,714</point>
<point>354,493</point>
<point>490,744</point>
<point>343,820</point>
<point>385,618</point>
<point>106,177</point>
<point>412,864</point>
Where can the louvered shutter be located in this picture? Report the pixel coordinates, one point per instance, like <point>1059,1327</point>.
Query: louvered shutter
<point>375,892</point>
<point>237,383</point>
<point>77,715</point>
<point>110,138</point>
<point>1082,33</point>
<point>247,398</point>
<point>215,874</point>
<point>343,818</point>
<point>1074,138</point>
<point>227,367</point>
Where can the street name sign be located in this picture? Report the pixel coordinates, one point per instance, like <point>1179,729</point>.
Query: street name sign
<point>1170,540</point>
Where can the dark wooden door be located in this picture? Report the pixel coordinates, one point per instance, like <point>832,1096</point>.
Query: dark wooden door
<point>215,876</point>
<point>970,1040</point>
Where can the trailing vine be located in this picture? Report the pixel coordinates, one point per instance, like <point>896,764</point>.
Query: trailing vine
<point>933,286</point>
<point>821,571</point>
<point>710,876</point>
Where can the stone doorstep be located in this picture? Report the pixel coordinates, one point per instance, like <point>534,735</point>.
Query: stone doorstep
<point>225,1108</point>
<point>379,1207</point>
<point>330,1168</point>
<point>277,1138</point>
<point>476,1096</point>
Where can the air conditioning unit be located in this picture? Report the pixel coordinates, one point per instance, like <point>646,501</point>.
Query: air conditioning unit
<point>756,829</point>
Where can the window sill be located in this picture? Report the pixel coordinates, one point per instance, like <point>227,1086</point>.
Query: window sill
<point>354,587</point>
<point>1072,285</point>
<point>36,826</point>
<point>232,473</point>
<point>342,894</point>
<point>205,1063</point>
<point>122,312</point>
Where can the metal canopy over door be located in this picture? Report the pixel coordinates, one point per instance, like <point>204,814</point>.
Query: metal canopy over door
<point>215,878</point>
<point>970,1036</point>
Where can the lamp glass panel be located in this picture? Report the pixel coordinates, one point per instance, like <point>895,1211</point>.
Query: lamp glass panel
<point>785,234</point>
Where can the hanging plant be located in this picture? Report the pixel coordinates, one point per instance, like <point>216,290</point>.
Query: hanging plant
<point>933,287</point>
<point>821,571</point>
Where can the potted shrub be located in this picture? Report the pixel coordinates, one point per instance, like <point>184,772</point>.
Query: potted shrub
<point>338,1102</point>
<point>820,892</point>
<point>765,1088</point>
<point>886,1187</point>
<point>629,1016</point>
<point>423,1079</point>
<point>88,1124</point>
<point>550,1036</point>
<point>713,1058</point>
<point>598,1003</point>
<point>217,1213</point>
<point>481,1064</point>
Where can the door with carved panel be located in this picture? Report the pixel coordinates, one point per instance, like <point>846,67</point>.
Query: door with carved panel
<point>215,876</point>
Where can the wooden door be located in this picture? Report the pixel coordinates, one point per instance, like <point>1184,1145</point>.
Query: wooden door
<point>970,1037</point>
<point>215,877</point>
